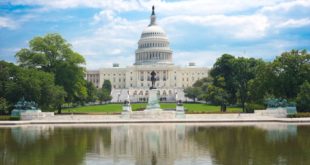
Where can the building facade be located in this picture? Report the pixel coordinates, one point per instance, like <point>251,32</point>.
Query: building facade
<point>153,54</point>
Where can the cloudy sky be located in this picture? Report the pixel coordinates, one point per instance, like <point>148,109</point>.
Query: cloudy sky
<point>107,31</point>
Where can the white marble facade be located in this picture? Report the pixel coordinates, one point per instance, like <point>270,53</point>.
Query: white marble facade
<point>153,54</point>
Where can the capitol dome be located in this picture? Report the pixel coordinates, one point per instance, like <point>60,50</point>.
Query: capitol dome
<point>153,46</point>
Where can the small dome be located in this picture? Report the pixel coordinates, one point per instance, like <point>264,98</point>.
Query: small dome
<point>153,29</point>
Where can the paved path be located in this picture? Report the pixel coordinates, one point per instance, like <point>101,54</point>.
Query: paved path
<point>189,118</point>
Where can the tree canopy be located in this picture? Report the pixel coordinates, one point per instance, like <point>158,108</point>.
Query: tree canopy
<point>53,54</point>
<point>245,81</point>
<point>32,84</point>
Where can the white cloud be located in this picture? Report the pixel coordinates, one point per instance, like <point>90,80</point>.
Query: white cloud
<point>7,23</point>
<point>117,5</point>
<point>294,23</point>
<point>114,38</point>
<point>241,26</point>
<point>285,6</point>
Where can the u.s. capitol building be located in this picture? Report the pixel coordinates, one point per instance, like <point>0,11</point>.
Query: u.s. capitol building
<point>153,54</point>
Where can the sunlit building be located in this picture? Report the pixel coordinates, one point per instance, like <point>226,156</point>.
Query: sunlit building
<point>153,54</point>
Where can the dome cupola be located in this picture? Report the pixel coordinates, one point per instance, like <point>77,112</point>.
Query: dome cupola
<point>153,46</point>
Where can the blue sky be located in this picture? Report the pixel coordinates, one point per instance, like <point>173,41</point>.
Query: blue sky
<point>107,31</point>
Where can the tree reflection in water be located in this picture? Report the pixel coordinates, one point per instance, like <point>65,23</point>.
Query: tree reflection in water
<point>143,144</point>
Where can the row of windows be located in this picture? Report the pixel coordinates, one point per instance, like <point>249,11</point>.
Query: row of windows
<point>113,74</point>
<point>193,79</point>
<point>152,34</point>
<point>119,80</point>
<point>152,56</point>
<point>192,73</point>
<point>92,75</point>
<point>148,45</point>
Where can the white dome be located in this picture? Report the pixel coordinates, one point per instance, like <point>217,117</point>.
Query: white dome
<point>153,46</point>
<point>153,29</point>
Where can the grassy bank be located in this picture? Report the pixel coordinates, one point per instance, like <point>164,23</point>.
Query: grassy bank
<point>117,108</point>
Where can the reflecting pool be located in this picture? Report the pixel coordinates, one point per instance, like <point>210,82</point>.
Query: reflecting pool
<point>161,144</point>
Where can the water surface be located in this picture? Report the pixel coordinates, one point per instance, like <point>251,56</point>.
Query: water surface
<point>161,144</point>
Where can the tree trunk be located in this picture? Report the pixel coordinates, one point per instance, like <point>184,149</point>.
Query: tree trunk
<point>59,109</point>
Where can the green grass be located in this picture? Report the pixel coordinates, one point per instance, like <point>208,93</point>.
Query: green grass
<point>117,108</point>
<point>7,117</point>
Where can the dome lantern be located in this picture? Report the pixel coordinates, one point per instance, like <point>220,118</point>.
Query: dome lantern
<point>153,16</point>
<point>153,46</point>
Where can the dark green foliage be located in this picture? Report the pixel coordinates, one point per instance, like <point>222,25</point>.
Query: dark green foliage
<point>105,91</point>
<point>91,92</point>
<point>290,71</point>
<point>53,54</point>
<point>250,107</point>
<point>248,80</point>
<point>4,106</point>
<point>192,92</point>
<point>15,118</point>
<point>32,84</point>
<point>107,86</point>
<point>223,76</point>
<point>303,98</point>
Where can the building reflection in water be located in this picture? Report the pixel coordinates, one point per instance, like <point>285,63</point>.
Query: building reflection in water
<point>31,133</point>
<point>151,144</point>
<point>148,144</point>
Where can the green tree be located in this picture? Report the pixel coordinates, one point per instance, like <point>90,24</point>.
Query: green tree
<point>4,106</point>
<point>53,54</point>
<point>32,84</point>
<point>244,71</point>
<point>107,85</point>
<point>91,92</point>
<point>223,69</point>
<point>104,96</point>
<point>290,70</point>
<point>105,91</point>
<point>303,98</point>
<point>192,92</point>
<point>217,96</point>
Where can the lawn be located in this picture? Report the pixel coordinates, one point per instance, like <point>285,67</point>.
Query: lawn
<point>117,108</point>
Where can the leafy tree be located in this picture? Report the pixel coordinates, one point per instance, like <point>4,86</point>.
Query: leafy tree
<point>192,92</point>
<point>91,92</point>
<point>53,54</point>
<point>262,85</point>
<point>244,72</point>
<point>290,70</point>
<point>107,85</point>
<point>4,106</point>
<point>223,69</point>
<point>32,84</point>
<point>104,96</point>
<point>303,98</point>
<point>217,96</point>
<point>105,91</point>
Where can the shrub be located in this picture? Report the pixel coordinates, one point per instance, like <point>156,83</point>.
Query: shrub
<point>303,98</point>
<point>3,106</point>
<point>250,107</point>
<point>304,114</point>
<point>14,118</point>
